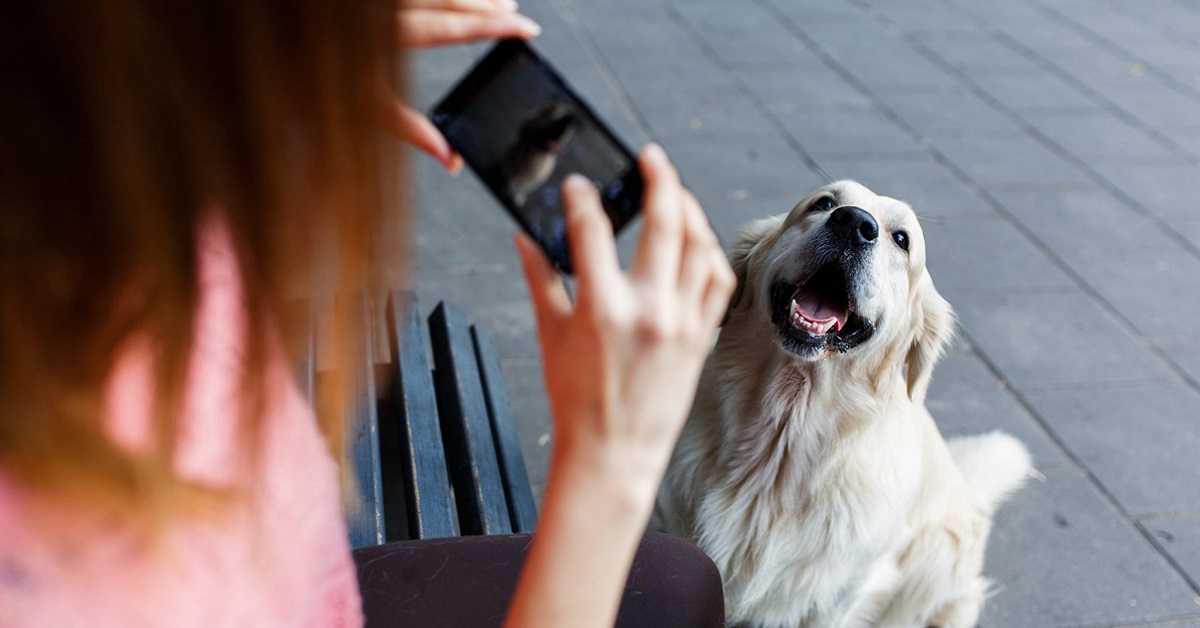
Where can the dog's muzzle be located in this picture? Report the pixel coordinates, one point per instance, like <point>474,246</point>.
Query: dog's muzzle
<point>817,314</point>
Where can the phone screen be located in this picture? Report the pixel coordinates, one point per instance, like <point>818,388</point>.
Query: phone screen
<point>522,130</point>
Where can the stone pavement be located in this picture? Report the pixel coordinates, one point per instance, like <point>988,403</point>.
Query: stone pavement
<point>1051,148</point>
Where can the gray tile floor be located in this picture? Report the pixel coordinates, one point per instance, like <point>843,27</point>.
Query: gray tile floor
<point>1052,148</point>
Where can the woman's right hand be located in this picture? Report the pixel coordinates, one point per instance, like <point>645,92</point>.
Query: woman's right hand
<point>623,361</point>
<point>621,367</point>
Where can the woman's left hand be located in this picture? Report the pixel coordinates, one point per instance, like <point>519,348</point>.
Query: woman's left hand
<point>433,23</point>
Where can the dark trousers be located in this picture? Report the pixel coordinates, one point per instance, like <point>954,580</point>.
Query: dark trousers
<point>468,581</point>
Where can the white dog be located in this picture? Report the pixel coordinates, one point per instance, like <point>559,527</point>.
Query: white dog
<point>810,470</point>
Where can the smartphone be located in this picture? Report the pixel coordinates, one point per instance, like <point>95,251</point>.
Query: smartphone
<point>522,130</point>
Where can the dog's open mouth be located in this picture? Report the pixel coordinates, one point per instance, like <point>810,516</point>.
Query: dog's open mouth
<point>818,314</point>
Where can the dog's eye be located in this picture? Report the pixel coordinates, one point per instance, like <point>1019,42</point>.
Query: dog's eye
<point>823,204</point>
<point>901,238</point>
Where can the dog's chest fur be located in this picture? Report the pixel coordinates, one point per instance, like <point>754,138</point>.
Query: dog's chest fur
<point>791,475</point>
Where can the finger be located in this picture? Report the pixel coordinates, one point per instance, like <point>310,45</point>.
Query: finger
<point>550,300</point>
<point>590,236</point>
<point>661,242</point>
<point>426,28</point>
<point>699,244</point>
<point>721,285</point>
<point>463,5</point>
<point>414,128</point>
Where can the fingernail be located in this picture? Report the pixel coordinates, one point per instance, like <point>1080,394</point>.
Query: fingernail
<point>577,181</point>
<point>529,27</point>
<point>456,164</point>
<point>655,152</point>
<point>511,5</point>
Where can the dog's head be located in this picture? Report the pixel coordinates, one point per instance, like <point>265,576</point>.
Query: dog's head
<point>842,277</point>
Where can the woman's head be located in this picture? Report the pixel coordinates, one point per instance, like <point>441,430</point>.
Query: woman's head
<point>120,126</point>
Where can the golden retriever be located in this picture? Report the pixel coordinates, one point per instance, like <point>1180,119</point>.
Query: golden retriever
<point>810,470</point>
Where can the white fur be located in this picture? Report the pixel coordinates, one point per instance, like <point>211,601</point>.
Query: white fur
<point>820,485</point>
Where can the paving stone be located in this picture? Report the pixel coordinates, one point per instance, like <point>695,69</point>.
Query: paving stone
<point>783,52</point>
<point>1037,92</point>
<point>1184,352</point>
<point>1134,37</point>
<point>1156,106</point>
<point>965,398</point>
<point>1054,340</point>
<point>615,10</point>
<point>711,114</point>
<point>1173,623</point>
<point>1105,71</point>
<point>1062,556</point>
<point>456,229</point>
<point>844,36</point>
<point>840,132</point>
<point>1158,293</point>
<point>977,53</point>
<point>729,212</point>
<point>740,180</point>
<point>811,86</point>
<point>1166,187</point>
<point>1099,134</point>
<point>1150,469</point>
<point>931,189</point>
<point>1084,223</point>
<point>880,66</point>
<point>746,38</point>
<point>1187,226</point>
<point>1188,138</point>
<point>1179,537</point>
<point>678,63</point>
<point>526,390</point>
<point>1012,264</point>
<point>1179,21</point>
<point>921,18</point>
<point>1008,161</point>
<point>950,115</point>
<point>818,13</point>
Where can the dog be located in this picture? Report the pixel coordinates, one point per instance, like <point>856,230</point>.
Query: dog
<point>809,469</point>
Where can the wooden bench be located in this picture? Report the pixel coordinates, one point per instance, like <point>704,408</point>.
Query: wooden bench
<point>433,447</point>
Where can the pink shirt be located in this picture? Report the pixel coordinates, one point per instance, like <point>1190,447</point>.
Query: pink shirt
<point>280,558</point>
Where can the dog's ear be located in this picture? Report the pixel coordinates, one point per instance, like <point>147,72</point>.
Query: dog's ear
<point>933,322</point>
<point>749,237</point>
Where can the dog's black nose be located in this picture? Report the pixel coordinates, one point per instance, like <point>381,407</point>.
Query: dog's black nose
<point>854,225</point>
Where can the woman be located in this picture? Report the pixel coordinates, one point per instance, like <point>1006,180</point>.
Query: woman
<point>170,175</point>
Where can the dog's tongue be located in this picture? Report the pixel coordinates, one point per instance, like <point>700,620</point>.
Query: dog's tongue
<point>816,309</point>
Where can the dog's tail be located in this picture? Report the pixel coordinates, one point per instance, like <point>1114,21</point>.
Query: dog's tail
<point>994,464</point>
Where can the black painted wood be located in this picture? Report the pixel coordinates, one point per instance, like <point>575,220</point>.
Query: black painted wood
<point>466,426</point>
<point>522,511</point>
<point>427,504</point>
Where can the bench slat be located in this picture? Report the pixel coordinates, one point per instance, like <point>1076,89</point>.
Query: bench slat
<point>522,511</point>
<point>365,518</point>
<point>426,503</point>
<point>466,426</point>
